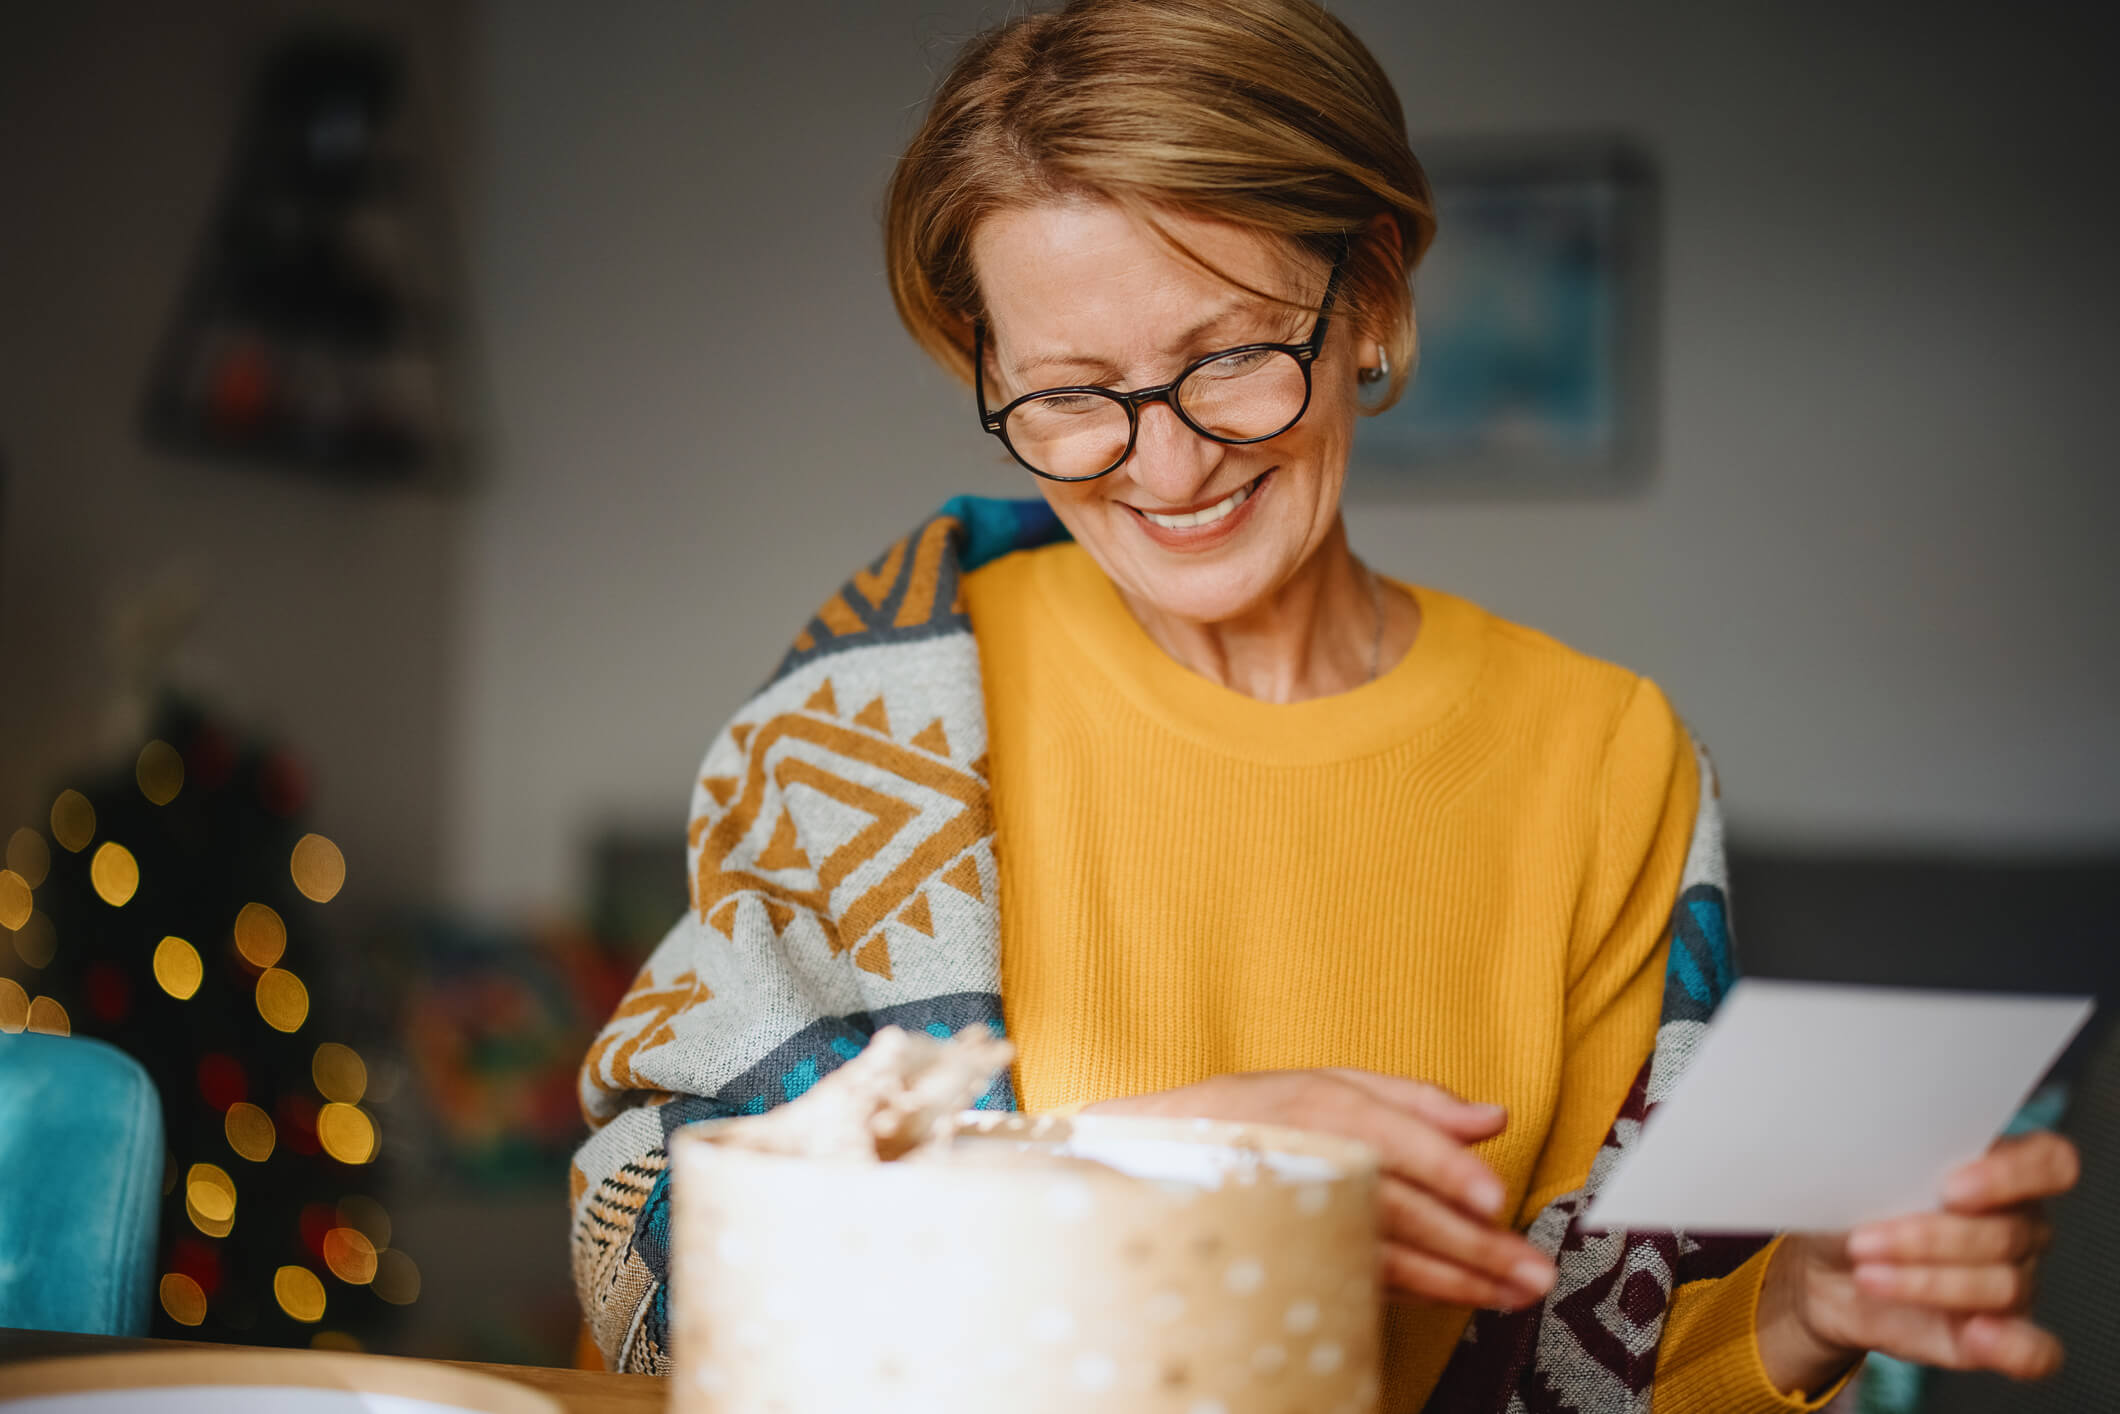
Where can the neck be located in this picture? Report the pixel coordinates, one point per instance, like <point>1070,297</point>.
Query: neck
<point>1314,637</point>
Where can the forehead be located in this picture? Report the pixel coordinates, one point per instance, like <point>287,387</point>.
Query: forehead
<point>1093,276</point>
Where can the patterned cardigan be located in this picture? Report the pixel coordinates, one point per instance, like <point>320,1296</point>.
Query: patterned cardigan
<point>841,854</point>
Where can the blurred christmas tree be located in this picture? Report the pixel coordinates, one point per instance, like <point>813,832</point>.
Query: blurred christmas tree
<point>174,908</point>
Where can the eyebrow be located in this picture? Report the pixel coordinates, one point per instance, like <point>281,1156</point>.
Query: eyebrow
<point>1184,340</point>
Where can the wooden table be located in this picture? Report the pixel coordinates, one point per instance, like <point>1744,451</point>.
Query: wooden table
<point>577,1391</point>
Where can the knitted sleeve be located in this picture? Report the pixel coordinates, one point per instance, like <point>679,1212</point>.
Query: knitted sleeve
<point>1636,1318</point>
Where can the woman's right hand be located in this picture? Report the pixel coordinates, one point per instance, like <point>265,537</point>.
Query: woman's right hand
<point>1439,1203</point>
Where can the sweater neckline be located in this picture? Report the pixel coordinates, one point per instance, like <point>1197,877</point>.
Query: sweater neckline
<point>1422,687</point>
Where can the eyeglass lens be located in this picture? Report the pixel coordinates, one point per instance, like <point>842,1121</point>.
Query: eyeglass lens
<point>1239,397</point>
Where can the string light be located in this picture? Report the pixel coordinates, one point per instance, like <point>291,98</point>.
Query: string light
<point>160,772</point>
<point>319,869</point>
<point>282,999</point>
<point>339,1073</point>
<point>397,1279</point>
<point>48,1018</point>
<point>35,942</point>
<point>73,821</point>
<point>14,1006</point>
<point>300,1293</point>
<point>115,874</point>
<point>16,900</point>
<point>346,1133</point>
<point>350,1255</point>
<point>178,970</point>
<point>249,1130</point>
<point>29,856</point>
<point>260,936</point>
<point>183,1299</point>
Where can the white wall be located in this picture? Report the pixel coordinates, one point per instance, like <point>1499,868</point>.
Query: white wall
<point>1871,566</point>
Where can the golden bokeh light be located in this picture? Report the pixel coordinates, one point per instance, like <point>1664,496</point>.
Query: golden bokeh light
<point>300,1293</point>
<point>210,1192</point>
<point>29,856</point>
<point>178,970</point>
<point>350,1255</point>
<point>160,772</point>
<point>35,942</point>
<point>282,999</point>
<point>397,1280</point>
<point>16,900</point>
<point>249,1130</point>
<point>205,1224</point>
<point>115,873</point>
<point>14,1006</point>
<point>318,868</point>
<point>346,1133</point>
<point>182,1299</point>
<point>339,1073</point>
<point>366,1216</point>
<point>260,935</point>
<point>48,1018</point>
<point>336,1340</point>
<point>73,821</point>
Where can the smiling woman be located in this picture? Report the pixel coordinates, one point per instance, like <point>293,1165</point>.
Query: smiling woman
<point>1214,820</point>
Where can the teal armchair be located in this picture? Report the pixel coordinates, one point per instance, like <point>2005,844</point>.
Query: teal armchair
<point>80,1185</point>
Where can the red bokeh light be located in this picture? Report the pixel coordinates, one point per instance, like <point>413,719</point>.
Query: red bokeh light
<point>221,1080</point>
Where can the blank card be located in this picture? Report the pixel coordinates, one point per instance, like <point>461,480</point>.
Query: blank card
<point>1814,1107</point>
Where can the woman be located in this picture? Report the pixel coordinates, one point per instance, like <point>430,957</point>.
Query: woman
<point>1214,819</point>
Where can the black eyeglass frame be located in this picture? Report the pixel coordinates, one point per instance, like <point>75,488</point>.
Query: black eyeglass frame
<point>1305,354</point>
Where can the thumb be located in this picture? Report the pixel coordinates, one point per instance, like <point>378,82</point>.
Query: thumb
<point>1467,1121</point>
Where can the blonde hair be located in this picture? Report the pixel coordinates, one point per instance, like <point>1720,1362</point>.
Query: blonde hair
<point>1268,114</point>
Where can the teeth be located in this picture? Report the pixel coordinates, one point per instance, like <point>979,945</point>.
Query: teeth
<point>1209,516</point>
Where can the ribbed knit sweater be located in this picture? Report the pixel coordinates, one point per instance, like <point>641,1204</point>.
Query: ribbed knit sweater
<point>1463,872</point>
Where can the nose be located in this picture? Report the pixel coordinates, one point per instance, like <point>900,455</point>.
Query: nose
<point>1171,461</point>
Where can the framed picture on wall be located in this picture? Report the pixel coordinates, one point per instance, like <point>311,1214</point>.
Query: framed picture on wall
<point>1535,313</point>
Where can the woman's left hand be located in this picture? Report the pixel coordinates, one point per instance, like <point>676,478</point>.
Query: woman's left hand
<point>1949,1288</point>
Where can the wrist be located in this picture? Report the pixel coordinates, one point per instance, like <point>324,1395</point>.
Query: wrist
<point>1801,1356</point>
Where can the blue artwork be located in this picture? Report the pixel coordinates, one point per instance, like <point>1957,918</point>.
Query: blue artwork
<point>1529,307</point>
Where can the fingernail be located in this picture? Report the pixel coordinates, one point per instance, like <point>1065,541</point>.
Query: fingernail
<point>1486,1195</point>
<point>1486,1111</point>
<point>1534,1277</point>
<point>1868,1242</point>
<point>1962,1187</point>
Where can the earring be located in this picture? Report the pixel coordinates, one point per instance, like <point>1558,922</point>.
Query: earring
<point>1380,372</point>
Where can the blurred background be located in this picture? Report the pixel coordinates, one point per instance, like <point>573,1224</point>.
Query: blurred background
<point>398,399</point>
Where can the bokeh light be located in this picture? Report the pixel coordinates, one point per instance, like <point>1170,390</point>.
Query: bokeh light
<point>16,900</point>
<point>115,874</point>
<point>397,1279</point>
<point>260,935</point>
<point>48,1018</point>
<point>183,1299</point>
<point>222,1082</point>
<point>73,821</point>
<point>249,1130</point>
<point>29,856</point>
<point>35,940</point>
<point>350,1255</point>
<point>178,970</point>
<point>14,1006</point>
<point>160,772</point>
<point>336,1340</point>
<point>346,1133</point>
<point>282,999</point>
<point>339,1073</point>
<point>319,869</point>
<point>366,1216</point>
<point>300,1293</point>
<point>210,1192</point>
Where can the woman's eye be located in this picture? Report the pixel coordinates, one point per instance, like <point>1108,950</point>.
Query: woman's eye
<point>1069,402</point>
<point>1236,365</point>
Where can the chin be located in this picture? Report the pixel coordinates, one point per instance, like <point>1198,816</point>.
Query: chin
<point>1213,592</point>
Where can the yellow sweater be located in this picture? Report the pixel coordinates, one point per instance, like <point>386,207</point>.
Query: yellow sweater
<point>1461,872</point>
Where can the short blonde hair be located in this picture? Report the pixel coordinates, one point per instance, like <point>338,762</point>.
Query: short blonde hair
<point>1268,114</point>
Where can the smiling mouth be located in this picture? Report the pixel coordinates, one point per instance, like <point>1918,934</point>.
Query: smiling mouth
<point>1205,515</point>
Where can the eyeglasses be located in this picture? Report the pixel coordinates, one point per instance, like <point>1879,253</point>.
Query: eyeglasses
<point>1250,393</point>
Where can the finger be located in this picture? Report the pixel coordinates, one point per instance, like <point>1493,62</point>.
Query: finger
<point>1993,1287</point>
<point>2017,1169</point>
<point>2012,1346</point>
<point>1467,1120</point>
<point>1417,1219</point>
<point>1416,1151</point>
<point>1423,1276</point>
<point>1952,1238</point>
